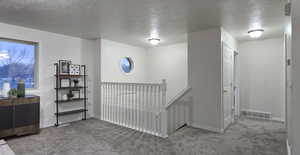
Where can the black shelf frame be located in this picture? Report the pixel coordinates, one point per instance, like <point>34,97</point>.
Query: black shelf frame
<point>58,91</point>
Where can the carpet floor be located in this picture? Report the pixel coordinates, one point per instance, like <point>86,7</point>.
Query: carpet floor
<point>95,137</point>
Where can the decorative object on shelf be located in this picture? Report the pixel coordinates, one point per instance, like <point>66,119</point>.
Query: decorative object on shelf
<point>21,88</point>
<point>5,89</point>
<point>76,94</point>
<point>64,67</point>
<point>70,87</point>
<point>13,93</point>
<point>64,82</point>
<point>65,97</point>
<point>75,81</point>
<point>70,95</point>
<point>74,69</point>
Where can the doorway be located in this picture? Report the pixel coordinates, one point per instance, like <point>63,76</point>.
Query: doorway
<point>228,85</point>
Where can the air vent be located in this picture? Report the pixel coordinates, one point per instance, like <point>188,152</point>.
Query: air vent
<point>256,114</point>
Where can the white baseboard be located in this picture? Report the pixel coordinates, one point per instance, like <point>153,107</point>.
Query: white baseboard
<point>289,150</point>
<point>208,128</point>
<point>277,119</point>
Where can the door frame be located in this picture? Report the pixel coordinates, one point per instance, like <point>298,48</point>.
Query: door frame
<point>222,88</point>
<point>236,87</point>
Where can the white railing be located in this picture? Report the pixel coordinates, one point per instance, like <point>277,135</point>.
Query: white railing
<point>140,106</point>
<point>178,111</point>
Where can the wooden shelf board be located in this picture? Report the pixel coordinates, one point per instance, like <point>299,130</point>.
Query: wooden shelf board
<point>72,100</point>
<point>81,87</point>
<point>70,112</point>
<point>70,76</point>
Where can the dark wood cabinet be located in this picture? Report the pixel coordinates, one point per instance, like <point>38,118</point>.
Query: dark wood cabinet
<point>19,116</point>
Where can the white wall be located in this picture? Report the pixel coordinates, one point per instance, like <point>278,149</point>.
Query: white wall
<point>229,40</point>
<point>150,65</point>
<point>262,76</point>
<point>205,77</point>
<point>295,106</point>
<point>52,48</point>
<point>170,63</point>
<point>90,56</point>
<point>111,54</point>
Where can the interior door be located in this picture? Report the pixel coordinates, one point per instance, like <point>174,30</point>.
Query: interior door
<point>288,77</point>
<point>228,96</point>
<point>236,103</point>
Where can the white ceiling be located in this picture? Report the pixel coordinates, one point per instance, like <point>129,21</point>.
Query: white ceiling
<point>134,21</point>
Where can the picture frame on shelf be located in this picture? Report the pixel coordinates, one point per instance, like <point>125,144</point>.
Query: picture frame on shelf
<point>82,69</point>
<point>65,82</point>
<point>76,94</point>
<point>64,67</point>
<point>74,69</point>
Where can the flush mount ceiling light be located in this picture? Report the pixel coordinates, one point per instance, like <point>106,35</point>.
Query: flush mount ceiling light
<point>255,33</point>
<point>154,41</point>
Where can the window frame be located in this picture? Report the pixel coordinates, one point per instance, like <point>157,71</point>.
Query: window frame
<point>36,58</point>
<point>131,63</point>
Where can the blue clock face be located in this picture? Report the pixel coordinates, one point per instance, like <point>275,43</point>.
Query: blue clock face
<point>126,64</point>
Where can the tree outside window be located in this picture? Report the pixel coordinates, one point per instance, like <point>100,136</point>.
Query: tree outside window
<point>17,61</point>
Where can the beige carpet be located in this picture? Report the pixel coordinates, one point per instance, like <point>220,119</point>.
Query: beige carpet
<point>94,137</point>
<point>5,149</point>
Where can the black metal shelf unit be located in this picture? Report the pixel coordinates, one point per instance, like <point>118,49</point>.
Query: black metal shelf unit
<point>59,89</point>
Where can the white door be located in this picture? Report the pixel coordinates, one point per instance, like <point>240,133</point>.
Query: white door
<point>228,63</point>
<point>236,104</point>
<point>288,77</point>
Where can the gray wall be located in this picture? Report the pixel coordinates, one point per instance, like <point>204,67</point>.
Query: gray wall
<point>295,106</point>
<point>262,76</point>
<point>205,76</point>
<point>170,63</point>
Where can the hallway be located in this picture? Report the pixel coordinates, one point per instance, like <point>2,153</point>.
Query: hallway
<point>94,137</point>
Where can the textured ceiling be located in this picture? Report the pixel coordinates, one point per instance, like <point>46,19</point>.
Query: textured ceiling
<point>134,21</point>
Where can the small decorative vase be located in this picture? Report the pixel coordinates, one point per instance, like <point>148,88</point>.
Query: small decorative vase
<point>65,97</point>
<point>76,81</point>
<point>21,88</point>
<point>6,88</point>
<point>70,95</point>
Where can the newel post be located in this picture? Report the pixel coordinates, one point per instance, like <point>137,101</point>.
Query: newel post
<point>164,122</point>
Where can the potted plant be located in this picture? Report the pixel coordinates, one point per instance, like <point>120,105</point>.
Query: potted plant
<point>13,93</point>
<point>21,88</point>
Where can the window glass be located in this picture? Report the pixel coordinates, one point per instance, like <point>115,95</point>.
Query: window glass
<point>17,62</point>
<point>126,64</point>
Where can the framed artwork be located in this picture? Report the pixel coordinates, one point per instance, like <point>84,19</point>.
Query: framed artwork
<point>64,82</point>
<point>74,69</point>
<point>76,94</point>
<point>64,67</point>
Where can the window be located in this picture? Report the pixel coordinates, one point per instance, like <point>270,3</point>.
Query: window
<point>18,62</point>
<point>126,64</point>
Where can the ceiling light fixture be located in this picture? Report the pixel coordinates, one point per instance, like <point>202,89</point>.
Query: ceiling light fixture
<point>255,33</point>
<point>154,41</point>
